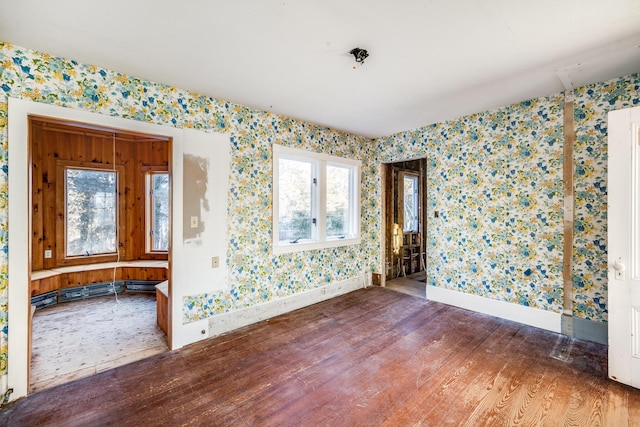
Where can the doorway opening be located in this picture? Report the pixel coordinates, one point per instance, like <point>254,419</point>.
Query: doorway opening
<point>405,225</point>
<point>100,232</point>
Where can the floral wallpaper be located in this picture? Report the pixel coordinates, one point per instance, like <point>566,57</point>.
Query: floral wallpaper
<point>495,178</point>
<point>592,103</point>
<point>261,276</point>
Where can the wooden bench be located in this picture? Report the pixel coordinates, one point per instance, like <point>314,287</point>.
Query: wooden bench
<point>43,281</point>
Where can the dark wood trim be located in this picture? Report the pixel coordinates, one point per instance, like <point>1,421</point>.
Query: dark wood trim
<point>385,232</point>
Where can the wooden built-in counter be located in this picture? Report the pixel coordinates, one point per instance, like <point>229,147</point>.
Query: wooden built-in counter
<point>162,305</point>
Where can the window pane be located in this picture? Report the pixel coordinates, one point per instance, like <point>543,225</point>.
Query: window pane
<point>160,211</point>
<point>294,201</point>
<point>90,212</point>
<point>410,203</point>
<point>338,185</point>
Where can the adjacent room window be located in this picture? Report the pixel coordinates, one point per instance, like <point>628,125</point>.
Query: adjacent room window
<point>411,202</point>
<point>316,200</point>
<point>157,212</point>
<point>91,211</point>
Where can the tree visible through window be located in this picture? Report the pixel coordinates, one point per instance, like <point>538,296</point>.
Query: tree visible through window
<point>159,212</point>
<point>91,211</point>
<point>316,200</point>
<point>338,181</point>
<point>295,214</point>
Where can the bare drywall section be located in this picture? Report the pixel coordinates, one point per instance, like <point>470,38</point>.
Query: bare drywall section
<point>195,202</point>
<point>205,167</point>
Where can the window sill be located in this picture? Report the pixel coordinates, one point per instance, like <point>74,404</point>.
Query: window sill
<point>285,248</point>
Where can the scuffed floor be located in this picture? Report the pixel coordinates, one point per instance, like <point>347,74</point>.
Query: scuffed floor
<point>77,339</point>
<point>371,357</point>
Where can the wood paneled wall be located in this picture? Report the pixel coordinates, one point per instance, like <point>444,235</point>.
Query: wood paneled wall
<point>54,144</point>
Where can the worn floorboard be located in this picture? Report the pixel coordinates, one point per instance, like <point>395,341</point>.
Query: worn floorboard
<point>371,357</point>
<point>76,339</point>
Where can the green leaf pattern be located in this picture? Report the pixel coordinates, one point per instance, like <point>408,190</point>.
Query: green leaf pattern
<point>494,177</point>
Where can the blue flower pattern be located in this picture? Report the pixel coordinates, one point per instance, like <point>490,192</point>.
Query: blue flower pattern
<point>495,178</point>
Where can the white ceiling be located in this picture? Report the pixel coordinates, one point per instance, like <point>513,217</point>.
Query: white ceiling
<point>430,60</point>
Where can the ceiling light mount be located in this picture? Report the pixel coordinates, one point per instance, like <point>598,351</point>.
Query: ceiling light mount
<point>359,54</point>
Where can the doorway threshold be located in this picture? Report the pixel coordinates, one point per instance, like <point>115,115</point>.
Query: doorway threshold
<point>413,284</point>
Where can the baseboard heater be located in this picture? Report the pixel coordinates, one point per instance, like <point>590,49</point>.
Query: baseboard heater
<point>94,290</point>
<point>141,285</point>
<point>88,291</point>
<point>45,300</point>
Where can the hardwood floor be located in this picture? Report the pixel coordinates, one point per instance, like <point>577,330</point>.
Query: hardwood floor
<point>371,357</point>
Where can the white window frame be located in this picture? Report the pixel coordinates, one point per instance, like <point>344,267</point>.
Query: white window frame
<point>319,198</point>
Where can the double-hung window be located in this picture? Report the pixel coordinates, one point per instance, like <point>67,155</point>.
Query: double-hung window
<point>316,201</point>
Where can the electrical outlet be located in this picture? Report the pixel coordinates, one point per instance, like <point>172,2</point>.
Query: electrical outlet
<point>215,262</point>
<point>194,222</point>
<point>47,253</point>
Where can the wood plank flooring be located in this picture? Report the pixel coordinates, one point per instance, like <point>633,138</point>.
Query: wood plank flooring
<point>373,357</point>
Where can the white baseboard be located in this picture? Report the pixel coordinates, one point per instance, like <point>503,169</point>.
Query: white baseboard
<point>226,322</point>
<point>518,313</point>
<point>193,332</point>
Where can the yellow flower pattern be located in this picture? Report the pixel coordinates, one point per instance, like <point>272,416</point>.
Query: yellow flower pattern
<point>495,178</point>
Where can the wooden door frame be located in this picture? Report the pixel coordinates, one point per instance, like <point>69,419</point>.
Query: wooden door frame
<point>383,222</point>
<point>386,174</point>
